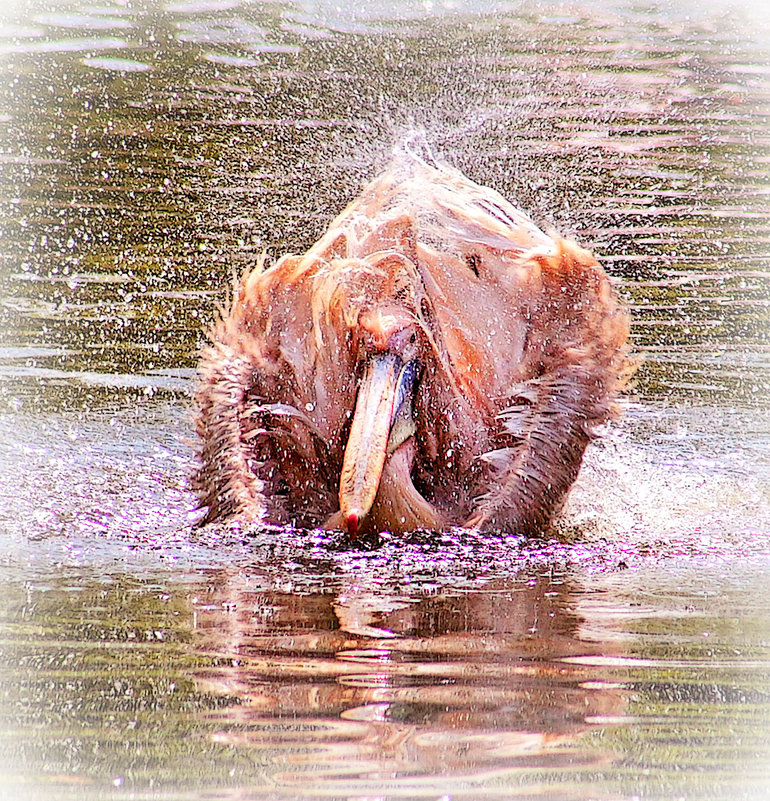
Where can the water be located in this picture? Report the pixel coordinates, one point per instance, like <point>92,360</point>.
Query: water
<point>150,152</point>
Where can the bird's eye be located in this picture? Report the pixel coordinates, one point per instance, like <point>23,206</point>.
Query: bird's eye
<point>425,309</point>
<point>412,338</point>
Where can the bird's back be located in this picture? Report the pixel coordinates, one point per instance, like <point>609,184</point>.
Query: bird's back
<point>449,211</point>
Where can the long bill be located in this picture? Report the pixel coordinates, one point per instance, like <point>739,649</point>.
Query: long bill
<point>383,393</point>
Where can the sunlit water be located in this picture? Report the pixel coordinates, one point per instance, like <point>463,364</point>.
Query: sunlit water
<point>148,154</point>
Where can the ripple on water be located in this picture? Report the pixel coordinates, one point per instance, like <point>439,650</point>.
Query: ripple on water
<point>116,64</point>
<point>79,44</point>
<point>82,21</point>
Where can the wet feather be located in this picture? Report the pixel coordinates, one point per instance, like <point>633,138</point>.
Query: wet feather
<point>522,353</point>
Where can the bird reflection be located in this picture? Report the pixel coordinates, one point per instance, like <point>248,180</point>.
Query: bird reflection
<point>363,686</point>
<point>434,360</point>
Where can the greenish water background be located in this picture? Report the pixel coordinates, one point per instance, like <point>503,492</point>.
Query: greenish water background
<point>149,152</point>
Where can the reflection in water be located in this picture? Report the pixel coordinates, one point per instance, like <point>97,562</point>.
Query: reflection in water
<point>396,689</point>
<point>355,689</point>
<point>545,683</point>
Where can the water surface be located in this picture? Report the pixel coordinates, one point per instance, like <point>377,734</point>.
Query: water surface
<point>149,153</point>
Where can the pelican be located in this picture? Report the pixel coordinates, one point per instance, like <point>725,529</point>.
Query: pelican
<point>434,360</point>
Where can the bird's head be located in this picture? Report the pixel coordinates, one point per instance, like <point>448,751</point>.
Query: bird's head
<point>389,354</point>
